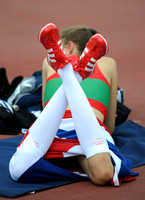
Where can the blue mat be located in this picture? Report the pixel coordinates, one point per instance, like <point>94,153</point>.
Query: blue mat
<point>129,138</point>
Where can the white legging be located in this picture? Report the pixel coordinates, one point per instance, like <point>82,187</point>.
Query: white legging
<point>43,131</point>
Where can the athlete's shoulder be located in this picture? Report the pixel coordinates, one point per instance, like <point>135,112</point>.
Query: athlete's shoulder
<point>46,68</point>
<point>107,60</point>
<point>107,63</point>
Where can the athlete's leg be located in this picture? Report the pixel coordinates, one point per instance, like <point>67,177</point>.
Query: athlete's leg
<point>98,164</point>
<point>88,129</point>
<point>40,135</point>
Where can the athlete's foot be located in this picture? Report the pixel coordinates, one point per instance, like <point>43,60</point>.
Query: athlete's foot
<point>94,50</point>
<point>50,39</point>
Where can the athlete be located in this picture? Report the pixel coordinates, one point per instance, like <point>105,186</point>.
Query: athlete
<point>88,84</point>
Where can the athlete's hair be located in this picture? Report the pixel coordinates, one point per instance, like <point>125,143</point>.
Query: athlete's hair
<point>80,35</point>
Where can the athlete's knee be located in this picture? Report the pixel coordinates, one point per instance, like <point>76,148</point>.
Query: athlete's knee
<point>22,160</point>
<point>101,170</point>
<point>14,169</point>
<point>101,177</point>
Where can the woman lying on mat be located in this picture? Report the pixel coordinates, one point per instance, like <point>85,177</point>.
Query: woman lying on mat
<point>82,130</point>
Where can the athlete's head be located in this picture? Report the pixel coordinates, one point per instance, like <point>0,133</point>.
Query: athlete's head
<point>78,35</point>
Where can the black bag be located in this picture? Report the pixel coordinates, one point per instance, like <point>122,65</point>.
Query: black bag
<point>11,122</point>
<point>122,113</point>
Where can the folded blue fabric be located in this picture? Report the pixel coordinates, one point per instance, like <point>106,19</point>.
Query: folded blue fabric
<point>129,137</point>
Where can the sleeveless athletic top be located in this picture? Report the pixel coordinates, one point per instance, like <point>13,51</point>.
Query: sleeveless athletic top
<point>96,88</point>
